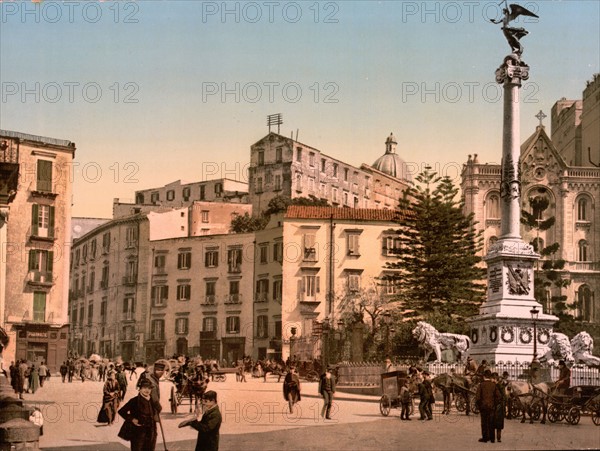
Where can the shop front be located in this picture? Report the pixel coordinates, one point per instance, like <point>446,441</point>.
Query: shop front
<point>38,343</point>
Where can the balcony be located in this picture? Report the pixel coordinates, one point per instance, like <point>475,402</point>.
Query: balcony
<point>235,269</point>
<point>40,278</point>
<point>210,299</point>
<point>130,279</point>
<point>261,297</point>
<point>39,234</point>
<point>234,299</point>
<point>43,188</point>
<point>160,271</point>
<point>104,284</point>
<point>310,254</point>
<point>131,244</point>
<point>128,316</point>
<point>584,266</point>
<point>105,250</point>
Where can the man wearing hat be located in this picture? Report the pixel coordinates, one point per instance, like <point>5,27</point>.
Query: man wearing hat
<point>327,390</point>
<point>425,397</point>
<point>139,414</point>
<point>487,399</point>
<point>157,372</point>
<point>207,427</point>
<point>564,377</point>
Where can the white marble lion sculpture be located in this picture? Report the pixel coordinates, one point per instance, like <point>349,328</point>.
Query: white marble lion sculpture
<point>582,346</point>
<point>433,341</point>
<point>559,348</point>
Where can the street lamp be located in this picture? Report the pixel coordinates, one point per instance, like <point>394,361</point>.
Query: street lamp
<point>534,316</point>
<point>387,319</point>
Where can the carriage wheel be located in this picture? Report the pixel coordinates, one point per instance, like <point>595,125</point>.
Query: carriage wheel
<point>596,415</point>
<point>220,377</point>
<point>460,404</point>
<point>536,411</point>
<point>553,413</point>
<point>573,416</point>
<point>474,406</point>
<point>173,401</point>
<point>516,409</point>
<point>385,405</point>
<point>312,376</point>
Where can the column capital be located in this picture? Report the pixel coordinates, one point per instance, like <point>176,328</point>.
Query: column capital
<point>512,71</point>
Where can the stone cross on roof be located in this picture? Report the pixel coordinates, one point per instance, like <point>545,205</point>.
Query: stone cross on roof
<point>541,116</point>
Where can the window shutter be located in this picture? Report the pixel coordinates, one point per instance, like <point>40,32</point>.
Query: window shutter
<point>304,284</point>
<point>318,283</point>
<point>166,292</point>
<point>34,219</point>
<point>266,285</point>
<point>33,264</point>
<point>206,259</point>
<point>51,223</point>
<point>153,295</point>
<point>300,290</point>
<point>49,261</point>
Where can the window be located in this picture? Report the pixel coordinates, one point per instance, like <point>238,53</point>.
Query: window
<point>131,237</point>
<point>353,283</point>
<point>103,310</point>
<point>345,198</point>
<point>491,242</point>
<point>335,195</point>
<point>352,241</point>
<point>209,324</point>
<point>130,272</point>
<point>268,178</point>
<point>218,189</point>
<point>170,194</point>
<point>42,221</point>
<point>392,245</point>
<point>298,182</point>
<point>310,250</point>
<point>234,260</point>
<point>278,251</point>
<point>184,292</point>
<point>90,314</point>
<point>40,265</point>
<point>210,292</point>
<point>346,171</point>
<point>44,176</point>
<point>202,192</point>
<point>277,290</point>
<point>322,190</point>
<point>154,197</point>
<point>92,282</point>
<point>323,165</point>
<point>311,184</point>
<point>106,243</point>
<point>129,308</point>
<point>299,154</point>
<point>186,193</point>
<point>139,198</point>
<point>160,295</point>
<point>278,155</point>
<point>261,158</point>
<point>84,253</point>
<point>159,262</point>
<point>310,286</point>
<point>262,290</point>
<point>204,215</point>
<point>582,255</point>
<point>158,329</point>
<point>104,279</point>
<point>493,207</point>
<point>211,259</point>
<point>264,253</point>
<point>311,159</point>
<point>335,170</point>
<point>585,298</point>
<point>277,183</point>
<point>582,209</point>
<point>262,326</point>
<point>233,324</point>
<point>234,291</point>
<point>93,249</point>
<point>181,326</point>
<point>77,257</point>
<point>39,306</point>
<point>259,185</point>
<point>184,260</point>
<point>538,244</point>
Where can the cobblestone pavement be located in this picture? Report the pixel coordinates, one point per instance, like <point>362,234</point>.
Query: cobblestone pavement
<point>255,416</point>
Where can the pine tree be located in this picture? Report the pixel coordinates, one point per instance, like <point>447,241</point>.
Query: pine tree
<point>438,259</point>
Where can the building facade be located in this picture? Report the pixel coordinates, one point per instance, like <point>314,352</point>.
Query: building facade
<point>34,274</point>
<point>557,170</point>
<point>283,166</point>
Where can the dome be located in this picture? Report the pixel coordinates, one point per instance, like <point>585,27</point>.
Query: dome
<point>390,162</point>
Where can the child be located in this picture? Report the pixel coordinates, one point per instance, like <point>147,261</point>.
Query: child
<point>405,400</point>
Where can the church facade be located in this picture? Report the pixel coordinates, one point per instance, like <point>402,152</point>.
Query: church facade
<point>562,171</point>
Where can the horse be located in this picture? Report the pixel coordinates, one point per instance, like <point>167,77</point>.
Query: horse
<point>268,366</point>
<point>531,399</point>
<point>449,384</point>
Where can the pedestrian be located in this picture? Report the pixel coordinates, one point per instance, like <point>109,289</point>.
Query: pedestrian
<point>71,370</point>
<point>110,400</point>
<point>34,379</point>
<point>158,371</point>
<point>405,400</point>
<point>23,376</point>
<point>487,399</point>
<point>122,381</point>
<point>13,370</point>
<point>327,391</point>
<point>501,407</point>
<point>208,426</point>
<point>291,388</point>
<point>564,377</point>
<point>425,397</point>
<point>64,370</point>
<point>143,376</point>
<point>43,370</point>
<point>140,414</point>
<point>240,374</point>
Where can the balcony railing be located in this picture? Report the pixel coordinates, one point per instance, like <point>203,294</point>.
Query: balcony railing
<point>42,278</point>
<point>234,299</point>
<point>103,284</point>
<point>210,299</point>
<point>160,271</point>
<point>260,297</point>
<point>128,316</point>
<point>37,233</point>
<point>130,279</point>
<point>584,266</point>
<point>235,269</point>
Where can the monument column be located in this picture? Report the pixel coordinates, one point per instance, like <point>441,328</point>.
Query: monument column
<point>503,330</point>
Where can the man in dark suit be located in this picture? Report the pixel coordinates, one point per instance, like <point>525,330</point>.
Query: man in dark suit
<point>207,427</point>
<point>140,412</point>
<point>327,390</point>
<point>488,396</point>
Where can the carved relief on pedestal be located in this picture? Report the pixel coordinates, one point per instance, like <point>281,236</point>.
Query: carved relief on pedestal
<point>525,335</point>
<point>507,335</point>
<point>511,247</point>
<point>518,280</point>
<point>510,185</point>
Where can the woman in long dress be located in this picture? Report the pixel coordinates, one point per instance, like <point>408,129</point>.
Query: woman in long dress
<point>110,400</point>
<point>34,379</point>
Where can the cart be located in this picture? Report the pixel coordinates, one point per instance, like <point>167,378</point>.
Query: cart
<point>309,370</point>
<point>184,389</point>
<point>573,403</point>
<point>390,386</point>
<point>464,394</point>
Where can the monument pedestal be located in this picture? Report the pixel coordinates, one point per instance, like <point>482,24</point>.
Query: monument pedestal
<point>504,328</point>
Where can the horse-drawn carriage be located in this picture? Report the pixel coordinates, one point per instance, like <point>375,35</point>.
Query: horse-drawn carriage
<point>391,383</point>
<point>186,387</point>
<point>573,403</point>
<point>309,370</point>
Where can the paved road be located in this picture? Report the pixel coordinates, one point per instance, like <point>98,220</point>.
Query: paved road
<point>255,417</point>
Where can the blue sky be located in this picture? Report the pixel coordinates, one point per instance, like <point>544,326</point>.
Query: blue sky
<point>155,91</point>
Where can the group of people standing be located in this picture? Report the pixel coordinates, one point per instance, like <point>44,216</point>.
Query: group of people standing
<point>25,378</point>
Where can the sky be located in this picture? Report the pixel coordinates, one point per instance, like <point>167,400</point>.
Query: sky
<point>157,91</point>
